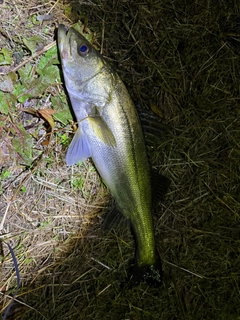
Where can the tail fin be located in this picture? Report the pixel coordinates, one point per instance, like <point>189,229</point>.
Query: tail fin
<point>151,274</point>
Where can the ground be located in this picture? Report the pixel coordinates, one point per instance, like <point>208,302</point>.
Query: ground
<point>179,60</point>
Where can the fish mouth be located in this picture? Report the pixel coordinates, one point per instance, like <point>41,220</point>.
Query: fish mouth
<point>63,39</point>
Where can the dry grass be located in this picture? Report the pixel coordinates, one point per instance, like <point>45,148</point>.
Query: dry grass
<point>181,59</point>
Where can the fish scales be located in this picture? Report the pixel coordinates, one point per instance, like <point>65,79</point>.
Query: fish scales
<point>109,131</point>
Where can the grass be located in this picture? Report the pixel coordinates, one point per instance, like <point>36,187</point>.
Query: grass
<point>179,59</point>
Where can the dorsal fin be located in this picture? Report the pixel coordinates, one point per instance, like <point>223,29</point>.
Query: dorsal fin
<point>160,185</point>
<point>153,127</point>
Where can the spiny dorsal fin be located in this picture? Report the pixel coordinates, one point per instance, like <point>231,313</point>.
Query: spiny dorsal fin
<point>153,127</point>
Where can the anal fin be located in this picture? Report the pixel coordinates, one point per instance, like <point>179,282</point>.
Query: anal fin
<point>114,219</point>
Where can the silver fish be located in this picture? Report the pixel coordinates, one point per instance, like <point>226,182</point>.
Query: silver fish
<point>109,131</point>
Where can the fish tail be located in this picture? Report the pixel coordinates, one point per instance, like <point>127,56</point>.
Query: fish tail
<point>151,274</point>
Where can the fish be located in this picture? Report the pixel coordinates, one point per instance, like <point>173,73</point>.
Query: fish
<point>109,131</point>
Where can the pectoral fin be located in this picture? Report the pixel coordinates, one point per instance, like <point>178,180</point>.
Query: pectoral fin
<point>79,149</point>
<point>101,130</point>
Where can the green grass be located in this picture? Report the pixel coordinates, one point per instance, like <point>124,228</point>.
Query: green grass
<point>180,59</point>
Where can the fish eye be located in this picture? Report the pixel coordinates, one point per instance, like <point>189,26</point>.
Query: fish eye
<point>83,50</point>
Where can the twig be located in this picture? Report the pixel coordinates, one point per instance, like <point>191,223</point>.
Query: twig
<point>37,54</point>
<point>186,270</point>
<point>4,217</point>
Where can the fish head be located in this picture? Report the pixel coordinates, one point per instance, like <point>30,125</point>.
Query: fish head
<point>79,59</point>
<point>88,77</point>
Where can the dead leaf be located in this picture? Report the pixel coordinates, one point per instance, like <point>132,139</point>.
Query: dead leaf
<point>47,115</point>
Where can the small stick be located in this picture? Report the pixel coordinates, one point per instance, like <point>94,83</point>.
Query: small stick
<point>37,54</point>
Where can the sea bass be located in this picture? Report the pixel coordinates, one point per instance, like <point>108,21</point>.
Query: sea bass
<point>109,131</point>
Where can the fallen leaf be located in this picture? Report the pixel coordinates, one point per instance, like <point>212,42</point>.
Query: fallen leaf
<point>47,115</point>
